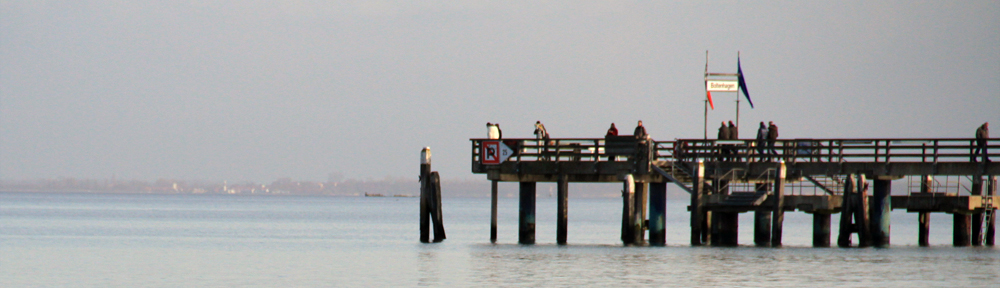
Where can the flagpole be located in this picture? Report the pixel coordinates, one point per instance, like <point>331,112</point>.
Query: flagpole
<point>737,99</point>
<point>706,95</point>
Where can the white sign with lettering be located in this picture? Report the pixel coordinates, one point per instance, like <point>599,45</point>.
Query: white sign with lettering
<point>721,85</point>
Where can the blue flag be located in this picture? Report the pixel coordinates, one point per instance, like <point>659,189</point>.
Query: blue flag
<point>743,83</point>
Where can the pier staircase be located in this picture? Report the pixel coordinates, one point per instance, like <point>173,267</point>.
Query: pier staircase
<point>743,199</point>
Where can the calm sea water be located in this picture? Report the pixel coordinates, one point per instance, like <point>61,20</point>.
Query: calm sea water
<point>100,240</point>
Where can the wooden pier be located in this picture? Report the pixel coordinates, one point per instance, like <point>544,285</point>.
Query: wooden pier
<point>852,177</point>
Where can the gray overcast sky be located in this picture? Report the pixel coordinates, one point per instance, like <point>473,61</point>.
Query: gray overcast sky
<point>256,90</point>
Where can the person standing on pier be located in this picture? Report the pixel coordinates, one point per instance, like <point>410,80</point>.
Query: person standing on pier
<point>982,134</point>
<point>640,132</point>
<point>761,140</point>
<point>734,134</point>
<point>543,136</point>
<point>540,132</point>
<point>723,135</point>
<point>492,131</point>
<point>612,131</point>
<point>772,136</point>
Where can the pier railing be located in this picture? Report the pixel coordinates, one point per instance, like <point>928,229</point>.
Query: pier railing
<point>824,150</point>
<point>925,150</point>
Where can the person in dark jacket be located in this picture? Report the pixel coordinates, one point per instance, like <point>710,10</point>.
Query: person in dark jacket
<point>734,134</point>
<point>640,132</point>
<point>612,131</point>
<point>772,136</point>
<point>982,134</point>
<point>723,149</point>
<point>761,140</point>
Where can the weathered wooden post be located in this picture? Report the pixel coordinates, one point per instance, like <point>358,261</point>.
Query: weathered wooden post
<point>425,172</point>
<point>821,229</point>
<point>526,215</point>
<point>861,214</point>
<point>628,210</point>
<point>924,218</point>
<point>639,213</point>
<point>880,210</point>
<point>961,236</point>
<point>762,221</point>
<point>991,224</point>
<point>563,209</point>
<point>779,212</point>
<point>437,216</point>
<point>493,220</point>
<point>657,213</point>
<point>846,213</point>
<point>855,207</point>
<point>977,218</point>
<point>697,212</point>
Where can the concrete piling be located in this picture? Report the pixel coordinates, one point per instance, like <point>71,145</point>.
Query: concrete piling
<point>977,217</point>
<point>526,214</point>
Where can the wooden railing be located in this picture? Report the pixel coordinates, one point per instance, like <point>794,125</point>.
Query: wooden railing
<point>748,150</point>
<point>825,150</point>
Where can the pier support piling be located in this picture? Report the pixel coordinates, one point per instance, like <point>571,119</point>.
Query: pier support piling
<point>923,237</point>
<point>977,217</point>
<point>563,202</point>
<point>962,235</point>
<point>762,222</point>
<point>698,218</point>
<point>657,214</point>
<point>526,216</point>
<point>991,222</point>
<point>779,210</point>
<point>639,213</point>
<point>628,210</point>
<point>880,211</point>
<point>821,229</point>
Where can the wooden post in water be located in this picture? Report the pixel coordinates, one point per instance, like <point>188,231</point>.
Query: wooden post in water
<point>961,236</point>
<point>526,215</point>
<point>779,210</point>
<point>628,210</point>
<point>977,218</point>
<point>991,224</point>
<point>697,213</point>
<point>493,220</point>
<point>880,209</point>
<point>762,221</point>
<point>562,206</point>
<point>437,217</point>
<point>657,213</point>
<point>847,213</point>
<point>924,218</point>
<point>863,222</point>
<point>639,213</point>
<point>425,172</point>
<point>923,238</point>
<point>821,229</point>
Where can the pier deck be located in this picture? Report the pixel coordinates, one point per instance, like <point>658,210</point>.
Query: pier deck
<point>729,177</point>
